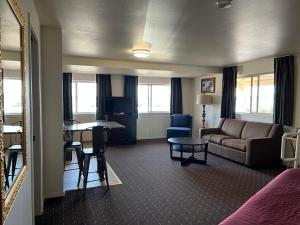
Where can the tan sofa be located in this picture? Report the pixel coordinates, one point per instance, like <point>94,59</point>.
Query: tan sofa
<point>249,143</point>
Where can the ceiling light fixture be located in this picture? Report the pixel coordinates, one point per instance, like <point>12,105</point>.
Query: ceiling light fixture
<point>141,53</point>
<point>224,4</point>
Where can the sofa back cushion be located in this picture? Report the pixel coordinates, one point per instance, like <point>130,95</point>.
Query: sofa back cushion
<point>181,120</point>
<point>233,128</point>
<point>255,130</point>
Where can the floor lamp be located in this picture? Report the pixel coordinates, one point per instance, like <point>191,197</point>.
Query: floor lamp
<point>203,100</point>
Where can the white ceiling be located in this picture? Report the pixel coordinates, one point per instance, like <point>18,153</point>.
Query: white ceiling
<point>183,32</point>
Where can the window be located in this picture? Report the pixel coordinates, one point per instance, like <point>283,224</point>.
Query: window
<point>84,97</point>
<point>153,98</point>
<point>255,94</point>
<point>12,89</point>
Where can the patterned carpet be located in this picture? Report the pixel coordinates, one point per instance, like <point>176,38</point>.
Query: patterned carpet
<point>157,190</point>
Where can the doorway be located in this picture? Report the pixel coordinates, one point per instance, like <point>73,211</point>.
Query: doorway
<point>36,125</point>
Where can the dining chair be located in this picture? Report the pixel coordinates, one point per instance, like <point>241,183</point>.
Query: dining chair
<point>97,150</point>
<point>69,143</point>
<point>15,148</point>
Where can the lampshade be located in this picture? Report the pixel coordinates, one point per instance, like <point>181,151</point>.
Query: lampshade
<point>203,100</point>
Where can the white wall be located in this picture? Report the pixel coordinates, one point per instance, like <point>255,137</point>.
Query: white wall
<point>117,85</point>
<point>21,212</point>
<point>141,68</point>
<point>259,66</point>
<point>188,97</point>
<point>257,117</point>
<point>52,111</point>
<point>212,111</point>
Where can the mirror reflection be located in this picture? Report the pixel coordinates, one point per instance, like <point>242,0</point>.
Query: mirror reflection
<point>12,100</point>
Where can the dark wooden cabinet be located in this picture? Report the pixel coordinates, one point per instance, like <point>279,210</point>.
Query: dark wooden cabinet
<point>125,135</point>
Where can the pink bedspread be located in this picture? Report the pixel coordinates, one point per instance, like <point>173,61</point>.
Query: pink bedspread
<point>277,203</point>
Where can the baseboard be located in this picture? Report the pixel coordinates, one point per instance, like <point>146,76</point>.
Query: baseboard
<point>151,138</point>
<point>55,195</point>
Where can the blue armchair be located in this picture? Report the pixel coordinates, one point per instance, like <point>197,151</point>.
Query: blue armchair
<point>181,126</point>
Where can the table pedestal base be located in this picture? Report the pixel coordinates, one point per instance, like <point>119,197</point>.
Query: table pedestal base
<point>185,161</point>
<point>188,149</point>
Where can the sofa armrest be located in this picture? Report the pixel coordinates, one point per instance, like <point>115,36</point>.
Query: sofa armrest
<point>262,151</point>
<point>205,131</point>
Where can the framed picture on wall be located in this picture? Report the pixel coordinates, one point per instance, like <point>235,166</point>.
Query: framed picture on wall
<point>208,85</point>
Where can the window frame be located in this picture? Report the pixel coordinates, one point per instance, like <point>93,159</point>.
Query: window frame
<point>150,111</point>
<point>257,97</point>
<point>76,97</point>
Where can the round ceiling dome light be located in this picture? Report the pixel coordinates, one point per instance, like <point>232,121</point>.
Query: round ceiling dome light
<point>141,53</point>
<point>224,4</point>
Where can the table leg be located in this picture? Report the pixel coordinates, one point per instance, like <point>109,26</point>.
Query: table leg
<point>100,168</point>
<point>181,155</point>
<point>171,151</point>
<point>193,151</point>
<point>205,153</point>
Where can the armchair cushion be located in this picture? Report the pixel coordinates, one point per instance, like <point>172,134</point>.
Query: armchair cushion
<point>179,132</point>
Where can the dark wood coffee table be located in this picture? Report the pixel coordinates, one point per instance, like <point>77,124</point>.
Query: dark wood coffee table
<point>188,145</point>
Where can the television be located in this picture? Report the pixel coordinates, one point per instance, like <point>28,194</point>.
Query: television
<point>118,105</point>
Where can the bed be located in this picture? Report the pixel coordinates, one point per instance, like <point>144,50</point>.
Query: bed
<point>277,203</point>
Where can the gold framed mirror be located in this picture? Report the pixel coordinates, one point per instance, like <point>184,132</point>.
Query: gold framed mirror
<point>12,104</point>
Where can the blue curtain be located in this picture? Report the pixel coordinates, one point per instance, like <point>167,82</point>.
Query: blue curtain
<point>284,90</point>
<point>176,96</point>
<point>103,90</point>
<point>228,92</point>
<point>67,96</point>
<point>130,91</point>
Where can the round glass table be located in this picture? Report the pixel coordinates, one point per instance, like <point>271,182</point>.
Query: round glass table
<point>188,145</point>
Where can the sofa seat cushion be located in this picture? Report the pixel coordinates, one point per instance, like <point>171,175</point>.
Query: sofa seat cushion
<point>218,138</point>
<point>239,144</point>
